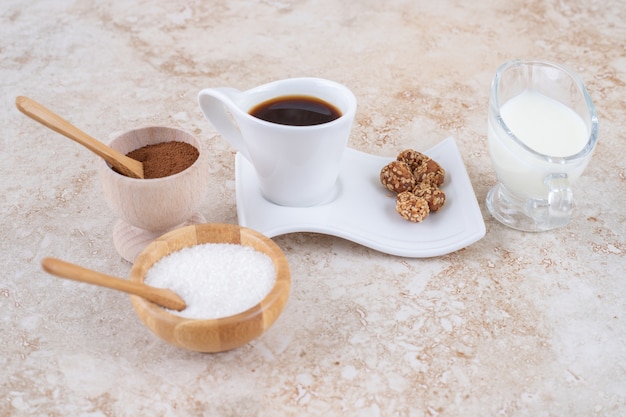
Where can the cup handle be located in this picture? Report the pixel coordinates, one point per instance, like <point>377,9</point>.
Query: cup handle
<point>560,196</point>
<point>216,103</point>
<point>557,210</point>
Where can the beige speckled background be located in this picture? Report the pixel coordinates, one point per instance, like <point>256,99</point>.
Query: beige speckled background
<point>514,325</point>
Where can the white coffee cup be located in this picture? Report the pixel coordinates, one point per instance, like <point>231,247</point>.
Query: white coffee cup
<point>296,165</point>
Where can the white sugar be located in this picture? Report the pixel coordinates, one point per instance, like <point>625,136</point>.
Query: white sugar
<point>215,279</point>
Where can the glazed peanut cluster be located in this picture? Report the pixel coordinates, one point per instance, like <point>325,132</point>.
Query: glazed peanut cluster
<point>415,179</point>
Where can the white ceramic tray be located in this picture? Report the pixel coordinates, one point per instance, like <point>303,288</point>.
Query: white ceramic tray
<point>363,211</point>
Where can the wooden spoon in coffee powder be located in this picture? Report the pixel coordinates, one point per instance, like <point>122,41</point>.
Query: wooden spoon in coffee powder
<point>122,163</point>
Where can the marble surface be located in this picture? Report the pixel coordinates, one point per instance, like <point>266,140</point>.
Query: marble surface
<point>516,324</point>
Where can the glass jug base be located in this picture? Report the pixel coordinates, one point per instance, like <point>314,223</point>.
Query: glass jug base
<point>515,212</point>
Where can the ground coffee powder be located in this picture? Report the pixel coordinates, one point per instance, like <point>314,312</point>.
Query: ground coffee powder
<point>165,158</point>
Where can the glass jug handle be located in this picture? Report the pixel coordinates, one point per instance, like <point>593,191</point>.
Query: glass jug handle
<point>560,197</point>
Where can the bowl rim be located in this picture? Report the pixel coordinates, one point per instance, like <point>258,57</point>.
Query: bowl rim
<point>171,240</point>
<point>105,167</point>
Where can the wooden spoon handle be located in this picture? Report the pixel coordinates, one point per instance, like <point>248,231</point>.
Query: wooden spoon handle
<point>161,296</point>
<point>51,120</point>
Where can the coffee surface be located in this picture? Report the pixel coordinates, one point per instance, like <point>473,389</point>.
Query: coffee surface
<point>296,111</point>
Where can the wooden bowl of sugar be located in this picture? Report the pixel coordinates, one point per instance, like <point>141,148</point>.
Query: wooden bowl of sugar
<point>234,280</point>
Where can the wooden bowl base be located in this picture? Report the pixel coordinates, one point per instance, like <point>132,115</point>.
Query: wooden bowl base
<point>130,240</point>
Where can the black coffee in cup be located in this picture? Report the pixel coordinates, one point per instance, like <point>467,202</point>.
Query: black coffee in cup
<point>296,111</point>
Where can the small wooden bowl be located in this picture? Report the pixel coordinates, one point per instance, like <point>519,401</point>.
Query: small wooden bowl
<point>148,208</point>
<point>156,204</point>
<point>213,335</point>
